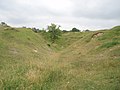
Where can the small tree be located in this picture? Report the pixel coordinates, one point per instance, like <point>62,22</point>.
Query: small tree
<point>75,30</point>
<point>3,24</point>
<point>35,30</point>
<point>54,32</point>
<point>86,30</point>
<point>64,31</point>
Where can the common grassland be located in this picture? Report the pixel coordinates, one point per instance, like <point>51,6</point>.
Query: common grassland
<point>76,61</point>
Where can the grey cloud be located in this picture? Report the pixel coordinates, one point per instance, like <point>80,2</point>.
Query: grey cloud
<point>16,13</point>
<point>101,9</point>
<point>84,13</point>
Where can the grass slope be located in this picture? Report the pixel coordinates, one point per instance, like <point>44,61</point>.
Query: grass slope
<point>77,61</point>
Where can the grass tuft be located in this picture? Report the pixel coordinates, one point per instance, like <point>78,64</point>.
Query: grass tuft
<point>109,44</point>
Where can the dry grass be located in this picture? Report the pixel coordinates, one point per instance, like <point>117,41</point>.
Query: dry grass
<point>78,63</point>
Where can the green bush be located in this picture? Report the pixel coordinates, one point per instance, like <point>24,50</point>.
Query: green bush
<point>54,32</point>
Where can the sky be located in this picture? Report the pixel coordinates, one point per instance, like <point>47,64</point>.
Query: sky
<point>82,14</point>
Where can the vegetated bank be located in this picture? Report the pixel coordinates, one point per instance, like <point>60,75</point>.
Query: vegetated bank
<point>75,61</point>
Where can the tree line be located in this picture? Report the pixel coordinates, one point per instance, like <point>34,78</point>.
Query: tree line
<point>53,31</point>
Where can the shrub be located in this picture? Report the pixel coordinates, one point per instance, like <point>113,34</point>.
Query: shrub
<point>75,30</point>
<point>35,30</point>
<point>64,31</point>
<point>54,32</point>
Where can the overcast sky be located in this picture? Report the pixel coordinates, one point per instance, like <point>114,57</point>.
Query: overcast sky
<point>82,14</point>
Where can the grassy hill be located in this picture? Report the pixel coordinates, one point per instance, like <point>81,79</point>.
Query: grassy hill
<point>77,61</point>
